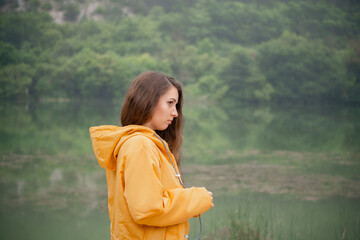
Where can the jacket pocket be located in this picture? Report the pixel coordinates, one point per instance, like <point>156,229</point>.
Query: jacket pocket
<point>176,232</point>
<point>154,233</point>
<point>128,231</point>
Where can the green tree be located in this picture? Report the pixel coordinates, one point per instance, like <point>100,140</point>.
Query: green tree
<point>15,80</point>
<point>24,27</point>
<point>212,87</point>
<point>245,81</point>
<point>7,53</point>
<point>71,12</point>
<point>302,70</point>
<point>319,19</point>
<point>88,74</point>
<point>92,75</point>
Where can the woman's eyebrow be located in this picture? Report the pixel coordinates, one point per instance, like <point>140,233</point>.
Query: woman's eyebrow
<point>173,99</point>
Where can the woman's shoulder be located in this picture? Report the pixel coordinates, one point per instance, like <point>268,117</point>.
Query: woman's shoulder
<point>139,144</point>
<point>139,140</point>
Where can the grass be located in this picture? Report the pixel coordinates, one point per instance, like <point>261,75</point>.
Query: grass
<point>242,226</point>
<point>254,216</point>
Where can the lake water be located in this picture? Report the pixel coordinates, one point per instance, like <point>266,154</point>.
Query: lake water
<point>285,172</point>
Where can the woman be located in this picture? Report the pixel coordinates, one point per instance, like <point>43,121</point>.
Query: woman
<point>146,196</point>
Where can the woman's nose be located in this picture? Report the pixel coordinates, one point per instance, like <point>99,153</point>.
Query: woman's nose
<point>174,113</point>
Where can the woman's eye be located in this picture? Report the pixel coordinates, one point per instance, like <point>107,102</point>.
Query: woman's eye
<point>170,103</point>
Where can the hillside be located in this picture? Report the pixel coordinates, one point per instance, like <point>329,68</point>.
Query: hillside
<point>228,51</point>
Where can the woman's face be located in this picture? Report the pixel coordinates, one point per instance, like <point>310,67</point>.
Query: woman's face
<point>165,110</point>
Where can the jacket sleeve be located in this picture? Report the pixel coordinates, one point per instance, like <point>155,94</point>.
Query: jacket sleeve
<point>148,202</point>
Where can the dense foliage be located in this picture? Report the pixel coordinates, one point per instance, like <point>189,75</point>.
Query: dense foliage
<point>254,51</point>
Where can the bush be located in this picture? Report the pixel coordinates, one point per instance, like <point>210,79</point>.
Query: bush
<point>46,6</point>
<point>302,70</point>
<point>71,12</point>
<point>245,81</point>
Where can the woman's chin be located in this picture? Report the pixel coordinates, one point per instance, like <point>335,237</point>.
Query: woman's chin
<point>163,128</point>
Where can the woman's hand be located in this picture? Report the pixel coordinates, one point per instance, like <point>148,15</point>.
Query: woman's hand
<point>212,199</point>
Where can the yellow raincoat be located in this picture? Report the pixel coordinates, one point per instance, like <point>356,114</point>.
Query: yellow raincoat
<point>145,198</point>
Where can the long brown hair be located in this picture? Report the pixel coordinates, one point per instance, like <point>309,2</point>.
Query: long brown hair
<point>141,99</point>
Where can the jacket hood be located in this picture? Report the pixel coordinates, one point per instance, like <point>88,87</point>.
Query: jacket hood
<point>108,139</point>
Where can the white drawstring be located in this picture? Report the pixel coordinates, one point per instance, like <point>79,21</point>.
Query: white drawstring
<point>182,184</point>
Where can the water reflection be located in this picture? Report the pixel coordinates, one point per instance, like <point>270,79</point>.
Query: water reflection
<point>49,146</point>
